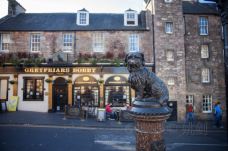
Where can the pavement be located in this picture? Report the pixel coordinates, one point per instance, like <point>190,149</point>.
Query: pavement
<point>59,119</point>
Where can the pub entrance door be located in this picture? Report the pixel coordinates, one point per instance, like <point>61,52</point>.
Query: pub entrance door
<point>60,94</point>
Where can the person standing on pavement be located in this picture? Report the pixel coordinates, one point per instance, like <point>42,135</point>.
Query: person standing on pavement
<point>218,115</point>
<point>190,115</point>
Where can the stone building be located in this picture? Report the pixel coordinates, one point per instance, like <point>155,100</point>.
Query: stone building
<point>181,41</point>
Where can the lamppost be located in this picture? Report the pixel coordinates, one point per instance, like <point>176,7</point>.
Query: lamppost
<point>223,10</point>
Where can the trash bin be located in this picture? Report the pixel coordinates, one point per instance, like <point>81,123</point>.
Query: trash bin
<point>101,114</point>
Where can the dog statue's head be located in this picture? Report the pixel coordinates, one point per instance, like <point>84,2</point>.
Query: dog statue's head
<point>134,61</point>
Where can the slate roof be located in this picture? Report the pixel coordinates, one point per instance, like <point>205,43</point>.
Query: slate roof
<point>67,22</point>
<point>199,8</point>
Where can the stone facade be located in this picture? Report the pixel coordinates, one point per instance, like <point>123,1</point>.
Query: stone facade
<point>185,43</point>
<point>194,62</point>
<point>52,42</point>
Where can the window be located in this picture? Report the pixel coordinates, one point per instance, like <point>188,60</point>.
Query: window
<point>4,89</point>
<point>203,26</point>
<point>133,43</point>
<point>98,42</point>
<point>169,27</point>
<point>83,17</point>
<point>35,42</point>
<point>68,42</point>
<point>33,89</point>
<point>207,104</point>
<point>130,18</point>
<point>189,99</point>
<point>171,81</point>
<point>204,51</point>
<point>205,75</point>
<point>4,42</point>
<point>169,55</point>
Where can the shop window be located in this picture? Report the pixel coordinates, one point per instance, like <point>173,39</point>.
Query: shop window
<point>4,42</point>
<point>3,89</point>
<point>86,92</point>
<point>207,104</point>
<point>203,25</point>
<point>117,91</point>
<point>33,89</point>
<point>35,42</point>
<point>133,43</point>
<point>68,42</point>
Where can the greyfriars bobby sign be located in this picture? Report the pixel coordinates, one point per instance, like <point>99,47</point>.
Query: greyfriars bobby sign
<point>150,108</point>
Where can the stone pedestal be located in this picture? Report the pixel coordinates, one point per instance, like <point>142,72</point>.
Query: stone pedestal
<point>150,119</point>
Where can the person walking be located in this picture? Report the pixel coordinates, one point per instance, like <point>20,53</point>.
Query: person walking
<point>218,115</point>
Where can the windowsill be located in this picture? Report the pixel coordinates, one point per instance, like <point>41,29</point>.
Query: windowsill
<point>4,51</point>
<point>33,100</point>
<point>206,82</point>
<point>170,33</point>
<point>68,51</point>
<point>203,34</point>
<point>35,51</point>
<point>207,112</point>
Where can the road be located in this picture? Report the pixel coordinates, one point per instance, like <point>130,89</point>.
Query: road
<point>67,138</point>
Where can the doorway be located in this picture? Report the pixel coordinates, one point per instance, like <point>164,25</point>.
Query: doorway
<point>60,94</point>
<point>173,106</point>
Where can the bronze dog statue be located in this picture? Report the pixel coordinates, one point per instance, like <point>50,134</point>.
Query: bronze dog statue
<point>147,85</point>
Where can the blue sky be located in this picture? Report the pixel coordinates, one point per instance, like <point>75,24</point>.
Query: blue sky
<point>108,6</point>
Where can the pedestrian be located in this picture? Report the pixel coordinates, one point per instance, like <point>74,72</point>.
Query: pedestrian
<point>190,115</point>
<point>109,112</point>
<point>218,115</point>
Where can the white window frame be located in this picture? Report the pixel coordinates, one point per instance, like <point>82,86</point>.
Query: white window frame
<point>170,55</point>
<point>207,104</point>
<point>169,27</point>
<point>130,16</point>
<point>35,42</point>
<point>190,99</point>
<point>98,42</point>
<point>205,75</point>
<point>82,18</point>
<point>204,51</point>
<point>68,42</point>
<point>4,41</point>
<point>203,25</point>
<point>171,81</point>
<point>133,43</point>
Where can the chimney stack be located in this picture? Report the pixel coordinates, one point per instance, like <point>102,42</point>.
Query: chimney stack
<point>14,8</point>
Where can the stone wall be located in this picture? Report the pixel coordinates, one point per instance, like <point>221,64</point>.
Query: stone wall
<point>194,62</point>
<point>52,42</point>
<point>170,12</point>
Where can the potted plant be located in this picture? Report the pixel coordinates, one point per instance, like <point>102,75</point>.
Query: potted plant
<point>68,81</point>
<point>12,81</point>
<point>48,80</point>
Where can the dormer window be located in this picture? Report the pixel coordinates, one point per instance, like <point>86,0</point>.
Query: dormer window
<point>83,17</point>
<point>130,18</point>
